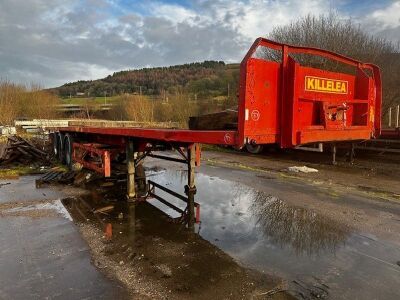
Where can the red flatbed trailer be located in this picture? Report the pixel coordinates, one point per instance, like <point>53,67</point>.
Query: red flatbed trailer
<point>280,103</point>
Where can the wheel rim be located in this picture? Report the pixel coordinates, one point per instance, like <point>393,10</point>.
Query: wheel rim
<point>254,149</point>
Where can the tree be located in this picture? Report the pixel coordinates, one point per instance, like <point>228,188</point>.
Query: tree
<point>17,101</point>
<point>347,38</point>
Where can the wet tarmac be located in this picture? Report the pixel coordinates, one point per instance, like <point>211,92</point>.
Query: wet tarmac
<point>260,220</point>
<point>319,257</point>
<point>42,254</point>
<point>23,189</point>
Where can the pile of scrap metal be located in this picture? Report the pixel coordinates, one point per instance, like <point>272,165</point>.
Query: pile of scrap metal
<point>20,150</point>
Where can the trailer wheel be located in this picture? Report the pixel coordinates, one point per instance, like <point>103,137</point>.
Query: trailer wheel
<point>254,149</point>
<point>60,150</point>
<point>68,141</point>
<point>55,144</point>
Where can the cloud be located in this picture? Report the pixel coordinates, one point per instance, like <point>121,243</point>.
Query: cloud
<point>53,42</point>
<point>173,13</point>
<point>258,17</point>
<point>385,22</point>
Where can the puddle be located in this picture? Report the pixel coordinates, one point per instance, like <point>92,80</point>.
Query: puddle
<point>317,255</point>
<point>233,212</point>
<point>298,229</point>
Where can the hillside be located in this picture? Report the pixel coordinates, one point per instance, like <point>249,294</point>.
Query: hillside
<point>202,80</point>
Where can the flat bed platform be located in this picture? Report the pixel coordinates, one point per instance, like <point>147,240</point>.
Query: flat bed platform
<point>218,137</point>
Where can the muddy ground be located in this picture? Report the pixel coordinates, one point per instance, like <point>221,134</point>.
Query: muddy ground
<point>159,260</point>
<point>264,233</point>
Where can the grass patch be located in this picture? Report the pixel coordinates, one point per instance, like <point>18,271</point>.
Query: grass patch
<point>15,172</point>
<point>91,100</point>
<point>20,170</point>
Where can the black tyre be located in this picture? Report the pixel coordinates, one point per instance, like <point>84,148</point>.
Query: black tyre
<point>68,141</point>
<point>60,148</point>
<point>254,149</point>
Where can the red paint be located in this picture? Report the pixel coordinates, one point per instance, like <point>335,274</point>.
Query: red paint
<point>289,104</point>
<point>198,154</point>
<point>102,165</point>
<point>217,137</point>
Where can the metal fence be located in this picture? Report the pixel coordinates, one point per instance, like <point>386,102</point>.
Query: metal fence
<point>393,117</point>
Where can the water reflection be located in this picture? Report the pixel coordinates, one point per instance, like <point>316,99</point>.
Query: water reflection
<point>235,214</point>
<point>305,231</point>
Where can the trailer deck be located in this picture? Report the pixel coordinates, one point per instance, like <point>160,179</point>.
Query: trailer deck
<point>217,137</point>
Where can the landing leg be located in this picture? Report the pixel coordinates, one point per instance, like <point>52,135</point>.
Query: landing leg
<point>334,154</point>
<point>190,188</point>
<point>130,161</point>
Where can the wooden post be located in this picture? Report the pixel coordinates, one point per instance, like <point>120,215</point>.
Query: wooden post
<point>130,161</point>
<point>190,189</point>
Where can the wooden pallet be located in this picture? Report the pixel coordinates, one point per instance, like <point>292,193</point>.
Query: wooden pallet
<point>55,176</point>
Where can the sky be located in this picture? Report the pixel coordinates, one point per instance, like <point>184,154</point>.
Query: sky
<point>53,42</point>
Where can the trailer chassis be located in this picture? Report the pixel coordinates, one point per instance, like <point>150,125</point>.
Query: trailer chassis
<point>98,152</point>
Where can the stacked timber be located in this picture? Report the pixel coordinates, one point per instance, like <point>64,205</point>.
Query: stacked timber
<point>20,150</point>
<point>223,120</point>
<point>39,125</point>
<point>121,124</point>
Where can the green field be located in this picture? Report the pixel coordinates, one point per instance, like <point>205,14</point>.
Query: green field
<point>83,100</point>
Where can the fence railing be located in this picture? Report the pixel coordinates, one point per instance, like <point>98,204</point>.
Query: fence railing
<point>395,121</point>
